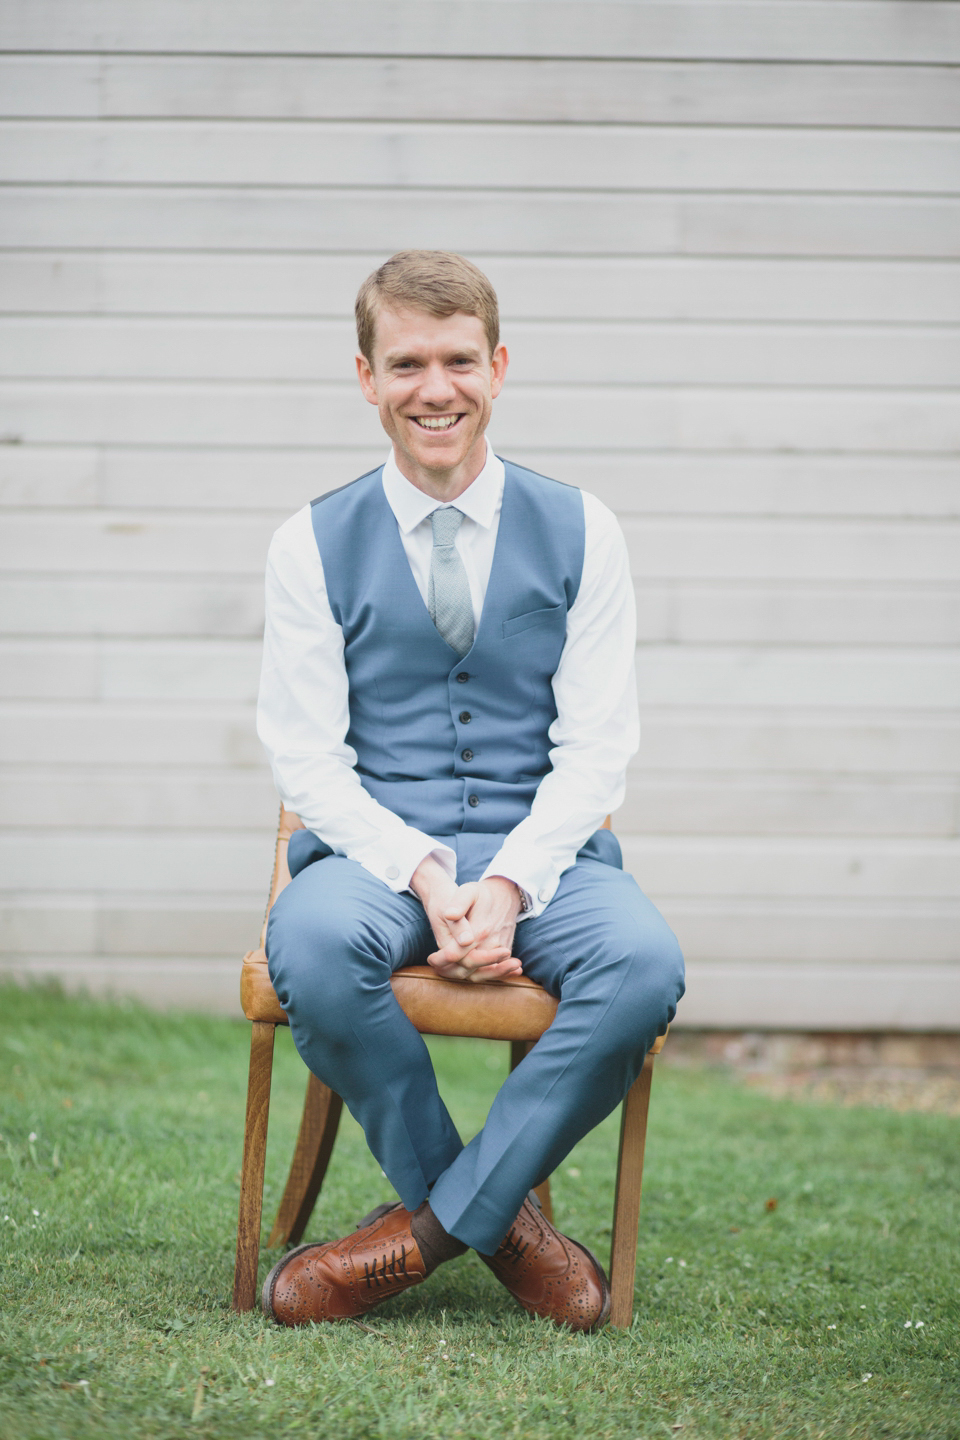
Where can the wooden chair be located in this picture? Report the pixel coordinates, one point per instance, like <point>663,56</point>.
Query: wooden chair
<point>516,1010</point>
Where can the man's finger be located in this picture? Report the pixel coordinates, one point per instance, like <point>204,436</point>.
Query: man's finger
<point>450,952</point>
<point>471,954</point>
<point>456,970</point>
<point>454,912</point>
<point>501,970</point>
<point>504,971</point>
<point>481,956</point>
<point>461,935</point>
<point>458,905</point>
<point>475,959</point>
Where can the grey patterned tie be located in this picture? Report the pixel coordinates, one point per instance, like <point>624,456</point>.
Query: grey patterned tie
<point>448,595</point>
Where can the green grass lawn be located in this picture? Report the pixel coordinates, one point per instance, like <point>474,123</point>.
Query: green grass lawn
<point>833,1312</point>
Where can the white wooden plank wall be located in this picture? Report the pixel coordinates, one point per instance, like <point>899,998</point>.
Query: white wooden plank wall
<point>726,240</point>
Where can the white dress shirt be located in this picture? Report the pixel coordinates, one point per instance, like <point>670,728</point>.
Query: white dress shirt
<point>303,713</point>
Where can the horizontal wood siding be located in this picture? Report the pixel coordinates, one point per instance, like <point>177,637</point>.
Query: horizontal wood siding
<point>726,238</point>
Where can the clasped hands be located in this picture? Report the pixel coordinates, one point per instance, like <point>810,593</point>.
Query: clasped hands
<point>473,924</point>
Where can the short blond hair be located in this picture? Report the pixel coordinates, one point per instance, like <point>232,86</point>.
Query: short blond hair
<point>435,281</point>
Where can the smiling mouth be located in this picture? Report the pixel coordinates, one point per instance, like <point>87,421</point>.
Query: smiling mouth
<point>435,422</point>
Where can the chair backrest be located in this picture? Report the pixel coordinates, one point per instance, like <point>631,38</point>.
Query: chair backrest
<point>281,870</point>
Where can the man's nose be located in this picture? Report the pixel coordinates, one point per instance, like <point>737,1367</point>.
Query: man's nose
<point>436,386</point>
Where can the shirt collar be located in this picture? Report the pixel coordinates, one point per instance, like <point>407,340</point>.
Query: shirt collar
<point>480,501</point>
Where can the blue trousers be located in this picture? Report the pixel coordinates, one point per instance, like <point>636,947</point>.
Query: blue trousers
<point>336,935</point>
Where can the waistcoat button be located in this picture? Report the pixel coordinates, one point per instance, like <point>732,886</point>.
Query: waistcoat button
<point>465,717</point>
<point>462,678</point>
<point>466,754</point>
<point>474,801</point>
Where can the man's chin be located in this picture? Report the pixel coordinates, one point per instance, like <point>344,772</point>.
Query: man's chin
<point>440,457</point>
<point>438,461</point>
<point>443,449</point>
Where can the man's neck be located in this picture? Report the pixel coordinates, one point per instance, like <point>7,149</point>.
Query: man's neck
<point>442,485</point>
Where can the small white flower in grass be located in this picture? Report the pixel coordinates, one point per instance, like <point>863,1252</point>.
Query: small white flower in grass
<point>573,1172</point>
<point>683,1263</point>
<point>919,1325</point>
<point>269,1382</point>
<point>865,1378</point>
<point>669,1260</point>
<point>863,1307</point>
<point>831,1327</point>
<point>908,1324</point>
<point>32,1136</point>
<point>36,1212</point>
<point>443,1342</point>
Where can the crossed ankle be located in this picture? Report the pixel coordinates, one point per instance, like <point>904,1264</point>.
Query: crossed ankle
<point>434,1243</point>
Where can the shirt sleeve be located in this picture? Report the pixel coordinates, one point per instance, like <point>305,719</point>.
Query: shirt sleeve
<point>597,726</point>
<point>303,718</point>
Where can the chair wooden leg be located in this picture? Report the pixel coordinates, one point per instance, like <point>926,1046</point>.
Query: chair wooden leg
<point>626,1206</point>
<point>518,1049</point>
<point>318,1131</point>
<point>254,1159</point>
<point>542,1193</point>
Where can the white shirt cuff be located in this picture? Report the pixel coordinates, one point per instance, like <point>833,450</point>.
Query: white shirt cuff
<point>393,859</point>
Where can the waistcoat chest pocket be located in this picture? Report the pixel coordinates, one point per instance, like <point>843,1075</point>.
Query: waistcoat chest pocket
<point>533,619</point>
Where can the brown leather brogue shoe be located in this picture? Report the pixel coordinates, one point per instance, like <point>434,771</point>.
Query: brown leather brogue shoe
<point>345,1277</point>
<point>550,1274</point>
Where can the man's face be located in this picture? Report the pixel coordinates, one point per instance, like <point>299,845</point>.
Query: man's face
<point>434,382</point>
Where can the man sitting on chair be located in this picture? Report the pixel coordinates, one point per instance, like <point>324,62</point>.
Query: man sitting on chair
<point>448,702</point>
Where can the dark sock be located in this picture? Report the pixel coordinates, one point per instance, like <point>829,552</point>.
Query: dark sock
<point>433,1242</point>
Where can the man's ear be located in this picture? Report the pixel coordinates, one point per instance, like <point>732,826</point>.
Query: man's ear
<point>368,383</point>
<point>498,365</point>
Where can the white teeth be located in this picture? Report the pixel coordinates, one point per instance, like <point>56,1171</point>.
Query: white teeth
<point>436,422</point>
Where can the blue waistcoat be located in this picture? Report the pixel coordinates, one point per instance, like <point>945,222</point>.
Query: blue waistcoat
<point>456,748</point>
<point>452,746</point>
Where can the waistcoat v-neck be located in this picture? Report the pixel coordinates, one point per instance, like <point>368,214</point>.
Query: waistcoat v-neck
<point>452,746</point>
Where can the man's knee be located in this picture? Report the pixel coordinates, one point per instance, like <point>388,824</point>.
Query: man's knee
<point>641,962</point>
<point>320,954</point>
<point>662,969</point>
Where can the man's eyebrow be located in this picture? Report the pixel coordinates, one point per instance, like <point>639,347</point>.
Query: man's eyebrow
<point>392,356</point>
<point>470,352</point>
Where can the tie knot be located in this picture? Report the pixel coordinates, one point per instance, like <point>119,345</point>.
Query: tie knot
<point>445,524</point>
